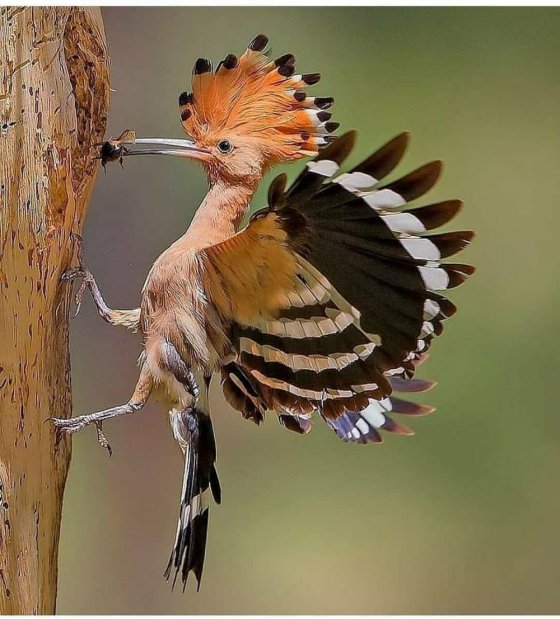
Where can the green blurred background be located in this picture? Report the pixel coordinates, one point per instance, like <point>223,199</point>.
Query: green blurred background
<point>462,518</point>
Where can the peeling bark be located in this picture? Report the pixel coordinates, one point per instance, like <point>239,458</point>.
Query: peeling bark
<point>54,99</point>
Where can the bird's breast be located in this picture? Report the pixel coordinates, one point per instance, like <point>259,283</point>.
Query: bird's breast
<point>175,308</point>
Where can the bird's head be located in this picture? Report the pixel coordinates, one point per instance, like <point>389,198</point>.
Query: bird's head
<point>248,115</point>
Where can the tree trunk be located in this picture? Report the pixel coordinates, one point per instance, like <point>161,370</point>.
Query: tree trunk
<point>54,98</point>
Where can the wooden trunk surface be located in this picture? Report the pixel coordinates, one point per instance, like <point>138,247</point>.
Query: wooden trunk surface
<point>54,98</point>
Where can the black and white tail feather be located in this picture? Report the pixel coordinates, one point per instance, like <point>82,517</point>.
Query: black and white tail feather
<point>193,431</point>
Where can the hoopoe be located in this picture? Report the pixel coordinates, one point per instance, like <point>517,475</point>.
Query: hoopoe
<point>323,304</point>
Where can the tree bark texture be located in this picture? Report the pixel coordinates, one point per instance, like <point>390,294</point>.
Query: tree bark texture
<point>54,99</point>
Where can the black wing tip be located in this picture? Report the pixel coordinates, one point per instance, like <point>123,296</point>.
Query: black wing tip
<point>351,135</point>
<point>276,191</point>
<point>296,424</point>
<point>419,181</point>
<point>385,159</point>
<point>401,138</point>
<point>339,148</point>
<point>400,142</point>
<point>431,170</point>
<point>437,164</point>
<point>458,273</point>
<point>465,235</point>
<point>438,214</point>
<point>456,203</point>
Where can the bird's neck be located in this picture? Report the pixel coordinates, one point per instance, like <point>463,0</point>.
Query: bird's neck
<point>221,213</point>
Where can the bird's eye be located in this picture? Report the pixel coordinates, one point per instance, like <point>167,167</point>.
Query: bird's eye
<point>225,146</point>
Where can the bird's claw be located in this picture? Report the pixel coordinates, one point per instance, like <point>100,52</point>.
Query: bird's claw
<point>68,426</point>
<point>101,438</point>
<point>80,271</point>
<point>75,424</point>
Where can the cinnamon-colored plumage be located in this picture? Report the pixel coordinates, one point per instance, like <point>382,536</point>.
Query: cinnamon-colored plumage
<point>324,304</point>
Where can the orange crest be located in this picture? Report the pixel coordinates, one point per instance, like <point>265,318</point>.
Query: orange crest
<point>257,99</point>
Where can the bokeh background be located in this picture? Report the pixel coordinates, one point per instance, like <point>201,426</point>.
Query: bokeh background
<point>462,518</point>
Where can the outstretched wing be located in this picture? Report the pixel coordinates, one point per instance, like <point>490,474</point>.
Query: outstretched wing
<point>333,293</point>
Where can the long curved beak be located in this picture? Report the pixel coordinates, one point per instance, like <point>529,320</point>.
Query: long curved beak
<point>182,148</point>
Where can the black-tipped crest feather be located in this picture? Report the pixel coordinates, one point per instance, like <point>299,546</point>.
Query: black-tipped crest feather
<point>258,43</point>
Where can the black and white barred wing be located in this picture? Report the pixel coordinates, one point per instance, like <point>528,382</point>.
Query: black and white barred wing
<point>364,299</point>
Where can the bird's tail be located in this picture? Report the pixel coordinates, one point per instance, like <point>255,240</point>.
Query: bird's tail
<point>193,430</point>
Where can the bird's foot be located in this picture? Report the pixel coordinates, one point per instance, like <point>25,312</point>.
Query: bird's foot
<point>81,271</point>
<point>88,281</point>
<point>75,424</point>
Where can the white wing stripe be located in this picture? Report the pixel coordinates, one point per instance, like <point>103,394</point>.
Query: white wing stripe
<point>326,167</point>
<point>356,181</point>
<point>384,199</point>
<point>431,309</point>
<point>421,249</point>
<point>434,278</point>
<point>373,414</point>
<point>403,222</point>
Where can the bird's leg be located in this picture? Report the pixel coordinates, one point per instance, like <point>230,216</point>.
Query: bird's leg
<point>137,401</point>
<point>127,318</point>
<point>180,370</point>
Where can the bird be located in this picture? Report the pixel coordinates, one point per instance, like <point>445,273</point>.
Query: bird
<point>322,306</point>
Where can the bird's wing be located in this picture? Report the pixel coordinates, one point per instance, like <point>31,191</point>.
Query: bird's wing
<point>333,293</point>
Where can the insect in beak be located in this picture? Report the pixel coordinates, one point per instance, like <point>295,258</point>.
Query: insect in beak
<point>115,149</point>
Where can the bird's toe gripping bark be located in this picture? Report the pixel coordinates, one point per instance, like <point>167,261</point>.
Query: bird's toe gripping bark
<point>88,281</point>
<point>75,424</point>
<point>69,426</point>
<point>76,273</point>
